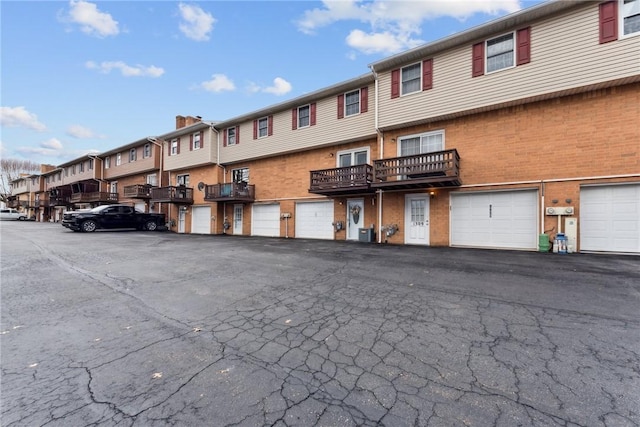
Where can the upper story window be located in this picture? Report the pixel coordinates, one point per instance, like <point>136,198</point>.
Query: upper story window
<point>133,154</point>
<point>423,143</point>
<point>630,17</point>
<point>240,175</point>
<point>304,116</point>
<point>118,159</point>
<point>175,147</point>
<point>182,180</point>
<point>152,179</point>
<point>412,78</point>
<point>502,52</point>
<point>81,165</point>
<point>263,127</point>
<point>231,136</point>
<point>359,156</point>
<point>196,141</point>
<point>146,152</point>
<point>353,103</point>
<point>107,162</point>
<point>90,164</point>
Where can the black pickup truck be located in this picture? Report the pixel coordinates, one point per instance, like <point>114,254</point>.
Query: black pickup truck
<point>113,216</point>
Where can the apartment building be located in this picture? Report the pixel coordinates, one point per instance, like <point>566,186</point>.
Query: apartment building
<point>28,194</point>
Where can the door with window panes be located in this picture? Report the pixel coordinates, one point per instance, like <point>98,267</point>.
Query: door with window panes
<point>432,142</point>
<point>352,158</point>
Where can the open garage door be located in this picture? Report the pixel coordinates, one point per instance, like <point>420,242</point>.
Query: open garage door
<point>314,220</point>
<point>500,219</point>
<point>610,218</point>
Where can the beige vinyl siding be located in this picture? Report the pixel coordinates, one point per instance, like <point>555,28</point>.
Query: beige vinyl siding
<point>328,130</point>
<point>140,165</point>
<point>565,54</point>
<point>188,158</point>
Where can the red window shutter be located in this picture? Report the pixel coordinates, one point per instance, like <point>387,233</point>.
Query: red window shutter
<point>608,21</point>
<point>224,137</point>
<point>478,60</point>
<point>312,113</point>
<point>340,106</point>
<point>178,148</point>
<point>191,142</point>
<point>395,83</point>
<point>294,119</point>
<point>270,125</point>
<point>201,139</point>
<point>427,74</point>
<point>523,41</point>
<point>255,129</point>
<point>237,135</point>
<point>364,99</point>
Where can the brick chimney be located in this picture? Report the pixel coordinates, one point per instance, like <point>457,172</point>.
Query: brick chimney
<point>180,122</point>
<point>190,120</point>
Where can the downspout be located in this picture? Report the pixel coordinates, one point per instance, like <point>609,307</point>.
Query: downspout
<point>161,171</point>
<point>380,147</point>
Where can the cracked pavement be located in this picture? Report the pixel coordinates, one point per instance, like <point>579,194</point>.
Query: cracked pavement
<point>136,329</point>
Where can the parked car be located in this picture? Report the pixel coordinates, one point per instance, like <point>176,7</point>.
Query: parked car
<point>12,214</point>
<point>113,216</point>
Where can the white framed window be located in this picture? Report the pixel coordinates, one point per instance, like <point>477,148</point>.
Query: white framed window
<point>410,79</point>
<point>352,103</point>
<point>107,162</point>
<point>231,136</point>
<point>500,53</point>
<point>118,159</point>
<point>174,147</point>
<point>113,187</point>
<point>146,152</point>
<point>428,142</point>
<point>81,165</point>
<point>629,17</point>
<point>357,156</point>
<point>240,175</point>
<point>196,141</point>
<point>182,180</point>
<point>263,127</point>
<point>152,179</point>
<point>133,154</point>
<point>90,164</point>
<point>304,115</point>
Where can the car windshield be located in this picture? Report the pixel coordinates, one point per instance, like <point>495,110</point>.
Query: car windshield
<point>100,208</point>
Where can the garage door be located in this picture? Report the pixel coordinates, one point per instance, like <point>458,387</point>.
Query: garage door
<point>505,219</point>
<point>201,220</point>
<point>610,218</point>
<point>265,220</point>
<point>314,220</point>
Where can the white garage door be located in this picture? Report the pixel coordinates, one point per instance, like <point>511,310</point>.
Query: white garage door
<point>201,220</point>
<point>505,219</point>
<point>265,220</point>
<point>610,218</point>
<point>314,220</point>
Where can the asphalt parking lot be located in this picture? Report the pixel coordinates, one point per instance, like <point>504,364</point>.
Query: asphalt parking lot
<point>144,328</point>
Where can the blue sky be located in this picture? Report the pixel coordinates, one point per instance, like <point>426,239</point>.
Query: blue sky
<point>81,76</point>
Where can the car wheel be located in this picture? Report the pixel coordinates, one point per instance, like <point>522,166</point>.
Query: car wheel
<point>89,226</point>
<point>21,218</point>
<point>150,226</point>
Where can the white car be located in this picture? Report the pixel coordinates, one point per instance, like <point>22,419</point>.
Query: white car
<point>12,214</point>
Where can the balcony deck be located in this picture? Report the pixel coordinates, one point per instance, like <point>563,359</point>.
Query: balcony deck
<point>94,196</point>
<point>344,180</point>
<point>428,170</point>
<point>179,195</point>
<point>138,191</point>
<point>230,192</point>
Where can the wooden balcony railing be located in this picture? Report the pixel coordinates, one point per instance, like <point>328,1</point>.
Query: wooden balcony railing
<point>138,191</point>
<point>344,180</point>
<point>42,203</point>
<point>13,203</point>
<point>230,192</point>
<point>179,195</point>
<point>94,196</point>
<point>436,169</point>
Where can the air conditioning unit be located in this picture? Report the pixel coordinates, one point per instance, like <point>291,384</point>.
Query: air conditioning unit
<point>559,210</point>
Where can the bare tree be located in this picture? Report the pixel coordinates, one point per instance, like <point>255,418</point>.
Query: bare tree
<point>11,169</point>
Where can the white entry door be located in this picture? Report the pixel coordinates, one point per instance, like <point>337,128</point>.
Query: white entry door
<point>355,215</point>
<point>416,219</point>
<point>182,216</point>
<point>237,219</point>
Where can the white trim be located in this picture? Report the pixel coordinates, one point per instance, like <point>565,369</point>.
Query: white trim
<point>344,103</point>
<point>419,135</point>
<point>620,17</point>
<point>486,52</point>
<point>298,116</point>
<point>419,63</point>
<point>352,152</point>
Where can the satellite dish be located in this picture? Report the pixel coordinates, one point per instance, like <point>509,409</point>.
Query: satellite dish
<point>201,185</point>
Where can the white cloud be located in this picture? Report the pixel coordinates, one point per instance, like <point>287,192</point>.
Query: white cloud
<point>196,24</point>
<point>280,87</point>
<point>81,132</point>
<point>394,25</point>
<point>51,148</point>
<point>218,83</point>
<point>20,117</point>
<point>91,20</point>
<point>126,70</point>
